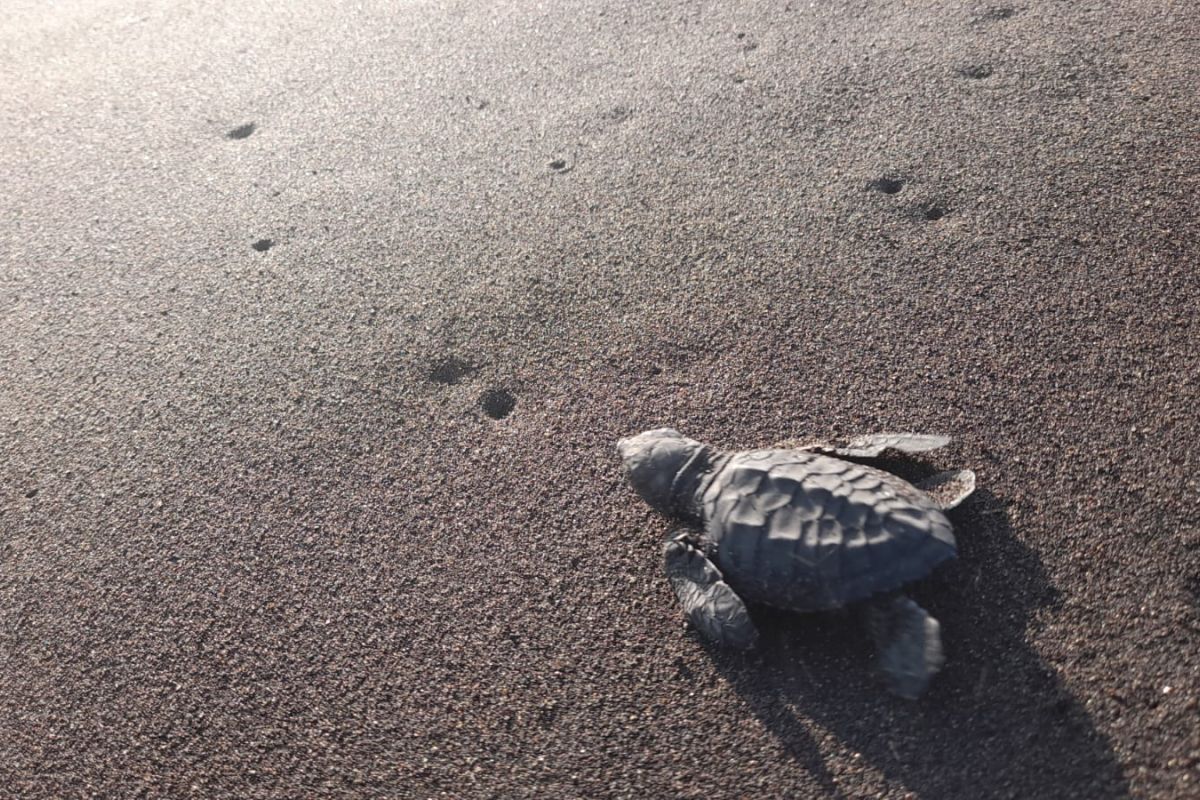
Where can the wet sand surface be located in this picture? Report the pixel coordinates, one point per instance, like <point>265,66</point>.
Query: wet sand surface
<point>321,320</point>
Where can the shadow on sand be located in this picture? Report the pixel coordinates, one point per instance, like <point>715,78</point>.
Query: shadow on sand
<point>996,722</point>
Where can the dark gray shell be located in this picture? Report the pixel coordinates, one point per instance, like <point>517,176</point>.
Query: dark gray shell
<point>807,532</point>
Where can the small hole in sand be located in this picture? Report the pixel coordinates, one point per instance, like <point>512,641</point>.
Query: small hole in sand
<point>263,245</point>
<point>618,114</point>
<point>976,72</point>
<point>886,185</point>
<point>241,131</point>
<point>559,165</point>
<point>934,213</point>
<point>497,403</point>
<point>450,370</point>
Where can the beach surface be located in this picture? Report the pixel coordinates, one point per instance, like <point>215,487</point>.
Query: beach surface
<point>319,323</point>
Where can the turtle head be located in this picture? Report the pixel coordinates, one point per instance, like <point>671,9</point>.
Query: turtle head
<point>653,461</point>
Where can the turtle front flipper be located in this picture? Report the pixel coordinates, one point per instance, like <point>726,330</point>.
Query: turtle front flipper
<point>909,643</point>
<point>948,489</point>
<point>877,444</point>
<point>707,600</point>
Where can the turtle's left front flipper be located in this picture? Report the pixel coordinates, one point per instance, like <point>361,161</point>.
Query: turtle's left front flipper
<point>909,643</point>
<point>710,604</point>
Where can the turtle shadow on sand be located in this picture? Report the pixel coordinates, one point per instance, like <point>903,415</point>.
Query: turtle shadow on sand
<point>996,722</point>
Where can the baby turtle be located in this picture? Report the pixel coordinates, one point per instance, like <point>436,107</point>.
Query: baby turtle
<point>805,528</point>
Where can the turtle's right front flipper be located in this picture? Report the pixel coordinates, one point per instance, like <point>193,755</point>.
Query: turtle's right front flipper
<point>877,445</point>
<point>714,608</point>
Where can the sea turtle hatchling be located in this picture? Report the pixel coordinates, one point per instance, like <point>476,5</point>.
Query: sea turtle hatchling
<point>806,528</point>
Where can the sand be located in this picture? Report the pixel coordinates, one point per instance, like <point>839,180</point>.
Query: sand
<point>321,321</point>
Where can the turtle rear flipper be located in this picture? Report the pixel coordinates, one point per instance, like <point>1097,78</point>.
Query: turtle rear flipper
<point>909,643</point>
<point>948,489</point>
<point>707,600</point>
<point>876,445</point>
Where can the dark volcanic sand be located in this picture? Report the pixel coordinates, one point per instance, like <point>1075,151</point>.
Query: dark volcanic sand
<point>262,538</point>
